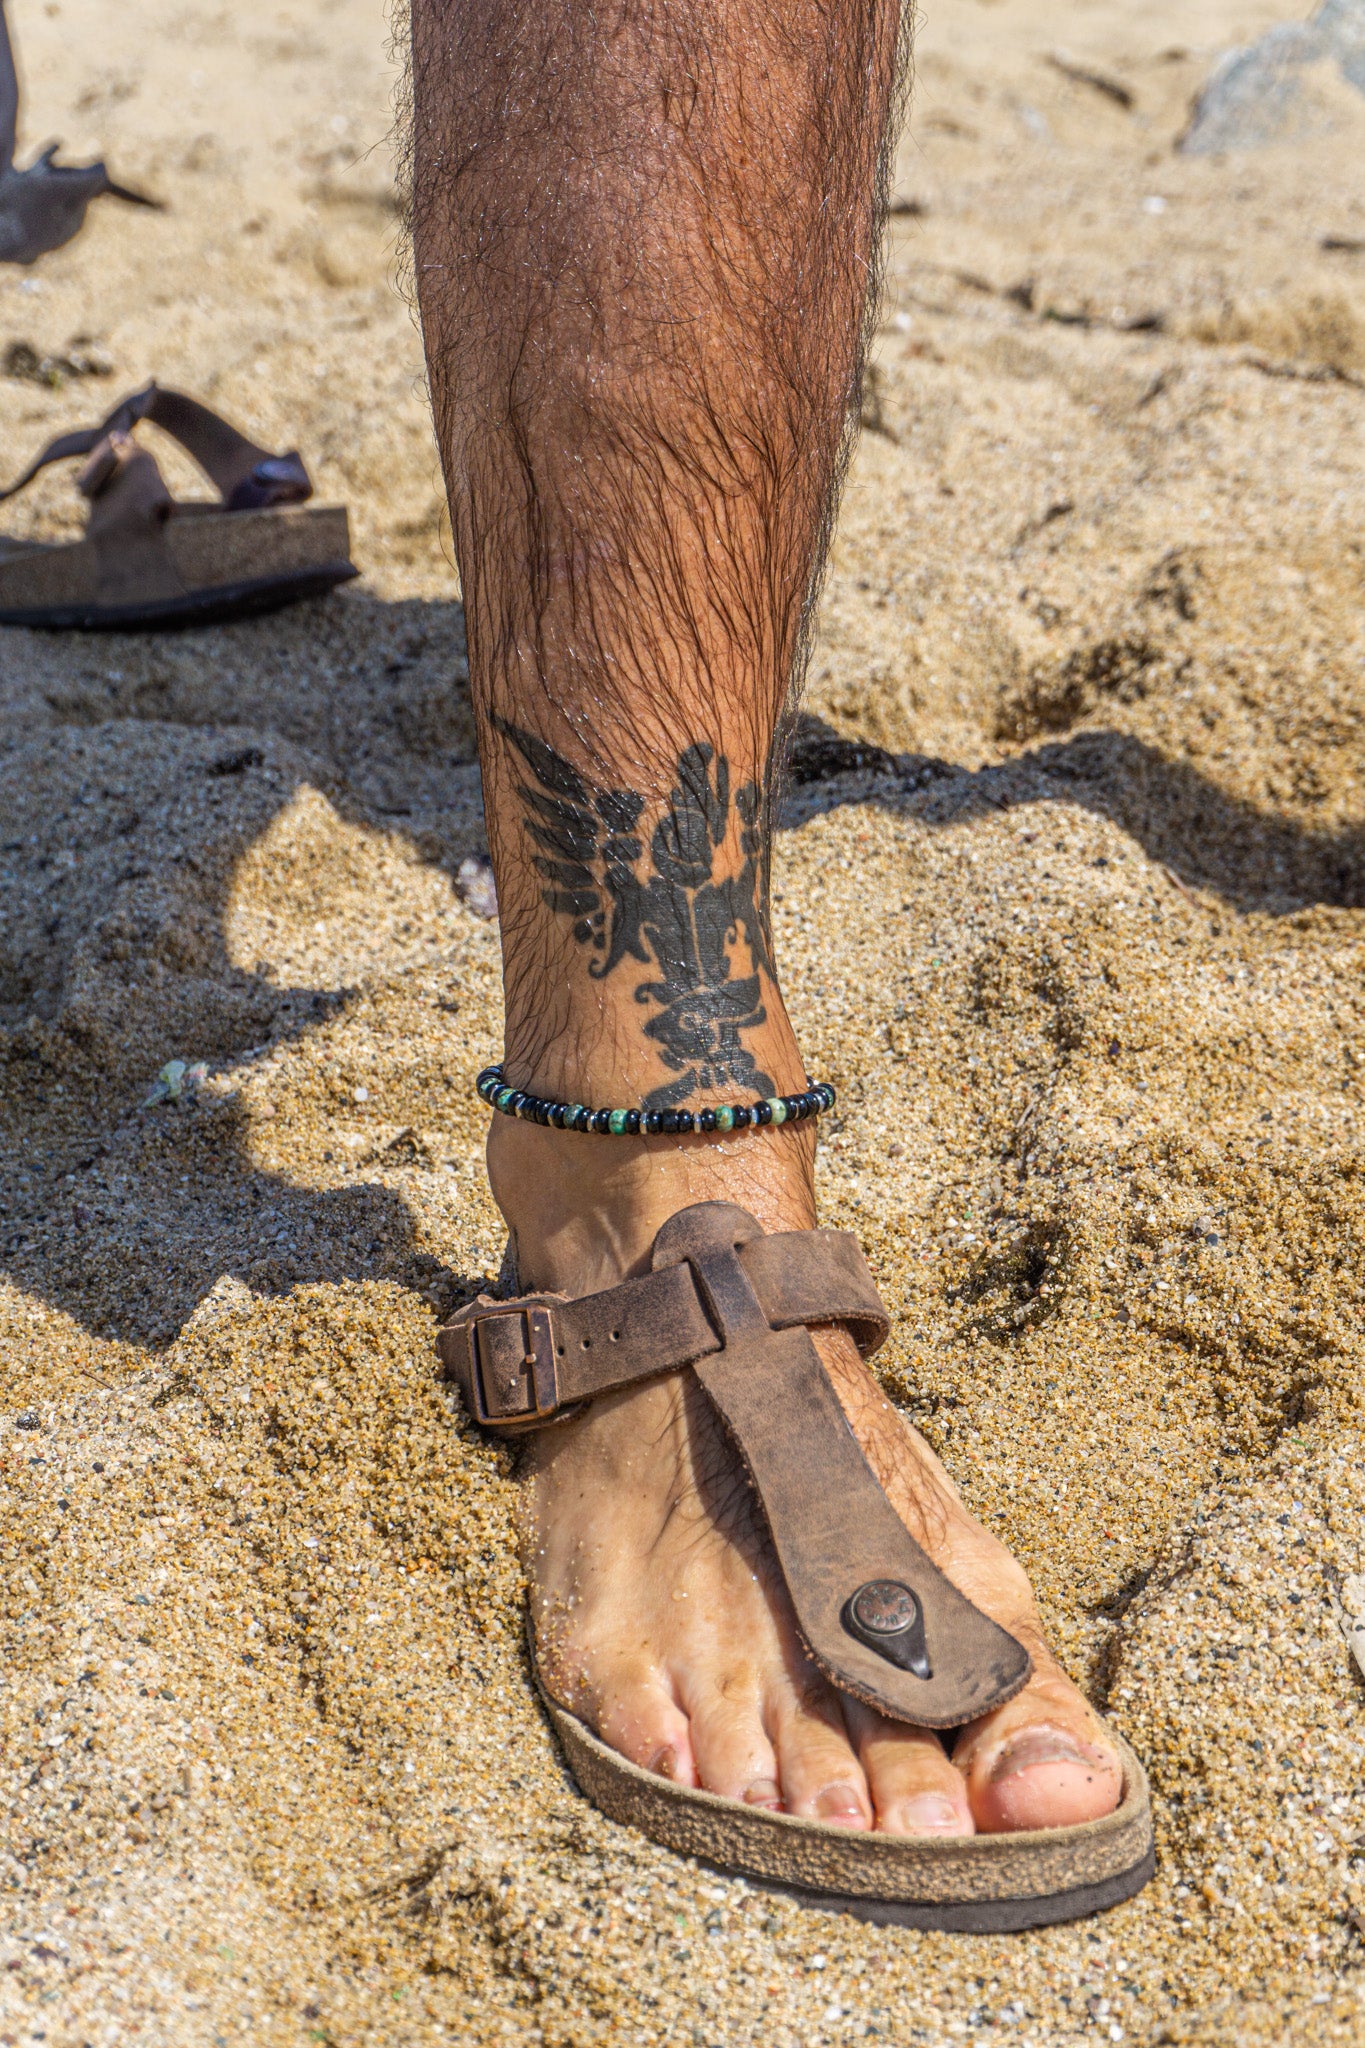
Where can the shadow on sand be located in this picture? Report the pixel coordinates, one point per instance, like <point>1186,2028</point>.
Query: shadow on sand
<point>129,806</point>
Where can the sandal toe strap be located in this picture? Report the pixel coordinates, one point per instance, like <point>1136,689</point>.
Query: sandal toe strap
<point>736,1304</point>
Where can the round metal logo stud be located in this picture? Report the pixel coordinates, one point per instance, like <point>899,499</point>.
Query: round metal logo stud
<point>884,1607</point>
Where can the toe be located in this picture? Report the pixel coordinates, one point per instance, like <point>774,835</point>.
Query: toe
<point>639,1715</point>
<point>1041,1761</point>
<point>819,1773</point>
<point>914,1786</point>
<point>733,1754</point>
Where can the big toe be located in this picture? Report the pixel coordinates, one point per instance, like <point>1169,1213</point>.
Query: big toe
<point>1040,1774</point>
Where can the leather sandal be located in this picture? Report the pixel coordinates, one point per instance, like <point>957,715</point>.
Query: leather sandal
<point>150,560</point>
<point>733,1305</point>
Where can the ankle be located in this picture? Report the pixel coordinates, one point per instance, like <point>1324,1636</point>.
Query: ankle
<point>583,1211</point>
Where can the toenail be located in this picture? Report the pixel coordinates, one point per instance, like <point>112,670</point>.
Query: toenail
<point>765,1792</point>
<point>664,1762</point>
<point>840,1804</point>
<point>929,1813</point>
<point>1038,1746</point>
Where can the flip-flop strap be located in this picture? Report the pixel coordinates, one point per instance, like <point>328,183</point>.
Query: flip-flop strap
<point>735,1304</point>
<point>245,476</point>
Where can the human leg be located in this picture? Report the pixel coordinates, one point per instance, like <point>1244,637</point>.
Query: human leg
<point>645,238</point>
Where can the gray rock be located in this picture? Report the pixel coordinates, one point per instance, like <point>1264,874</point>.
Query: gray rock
<point>1255,95</point>
<point>474,880</point>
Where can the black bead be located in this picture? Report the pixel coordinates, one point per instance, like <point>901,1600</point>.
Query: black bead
<point>686,1120</point>
<point>554,1116</point>
<point>583,1120</point>
<point>706,1121</point>
<point>601,1122</point>
<point>743,1116</point>
<point>669,1122</point>
<point>653,1123</point>
<point>760,1113</point>
<point>633,1123</point>
<point>544,1111</point>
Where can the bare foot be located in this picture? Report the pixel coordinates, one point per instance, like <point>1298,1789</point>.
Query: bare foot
<point>661,1618</point>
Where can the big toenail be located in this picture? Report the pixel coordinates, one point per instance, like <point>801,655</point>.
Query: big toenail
<point>929,1813</point>
<point>1037,1746</point>
<point>664,1762</point>
<point>765,1792</point>
<point>839,1803</point>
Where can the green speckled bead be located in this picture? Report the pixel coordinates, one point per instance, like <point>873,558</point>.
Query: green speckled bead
<point>574,1116</point>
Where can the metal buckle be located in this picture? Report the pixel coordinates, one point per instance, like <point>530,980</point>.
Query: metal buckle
<point>540,1379</point>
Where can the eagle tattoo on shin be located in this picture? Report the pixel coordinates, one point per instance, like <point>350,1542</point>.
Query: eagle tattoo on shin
<point>668,909</point>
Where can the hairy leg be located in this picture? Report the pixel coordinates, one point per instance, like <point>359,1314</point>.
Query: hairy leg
<point>645,237</point>
<point>644,242</point>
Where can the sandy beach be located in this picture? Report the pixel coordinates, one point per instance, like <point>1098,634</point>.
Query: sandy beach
<point>1070,901</point>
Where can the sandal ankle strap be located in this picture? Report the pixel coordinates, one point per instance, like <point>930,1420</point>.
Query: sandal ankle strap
<point>522,1364</point>
<point>245,476</point>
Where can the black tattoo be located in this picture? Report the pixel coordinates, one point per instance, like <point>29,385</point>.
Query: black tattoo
<point>684,918</point>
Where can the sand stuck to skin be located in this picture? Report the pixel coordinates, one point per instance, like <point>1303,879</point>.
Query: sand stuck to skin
<point>1071,901</point>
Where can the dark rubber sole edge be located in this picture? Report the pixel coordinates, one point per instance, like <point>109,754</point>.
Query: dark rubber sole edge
<point>980,1916</point>
<point>211,607</point>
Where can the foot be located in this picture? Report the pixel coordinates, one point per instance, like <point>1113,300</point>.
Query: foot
<point>661,1619</point>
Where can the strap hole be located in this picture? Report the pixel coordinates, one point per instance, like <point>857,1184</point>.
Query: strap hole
<point>587,1341</point>
<point>559,1350</point>
<point>614,1335</point>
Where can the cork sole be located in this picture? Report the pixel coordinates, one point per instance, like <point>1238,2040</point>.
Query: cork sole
<point>976,1884</point>
<point>231,564</point>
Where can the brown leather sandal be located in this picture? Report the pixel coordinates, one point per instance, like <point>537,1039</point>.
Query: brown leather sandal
<point>732,1305</point>
<point>148,560</point>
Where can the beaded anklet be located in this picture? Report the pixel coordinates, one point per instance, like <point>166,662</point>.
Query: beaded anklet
<point>632,1123</point>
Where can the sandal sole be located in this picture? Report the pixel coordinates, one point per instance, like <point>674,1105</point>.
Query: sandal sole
<point>976,1884</point>
<point>210,607</point>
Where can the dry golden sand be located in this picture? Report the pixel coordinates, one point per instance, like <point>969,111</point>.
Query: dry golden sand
<point>1084,959</point>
